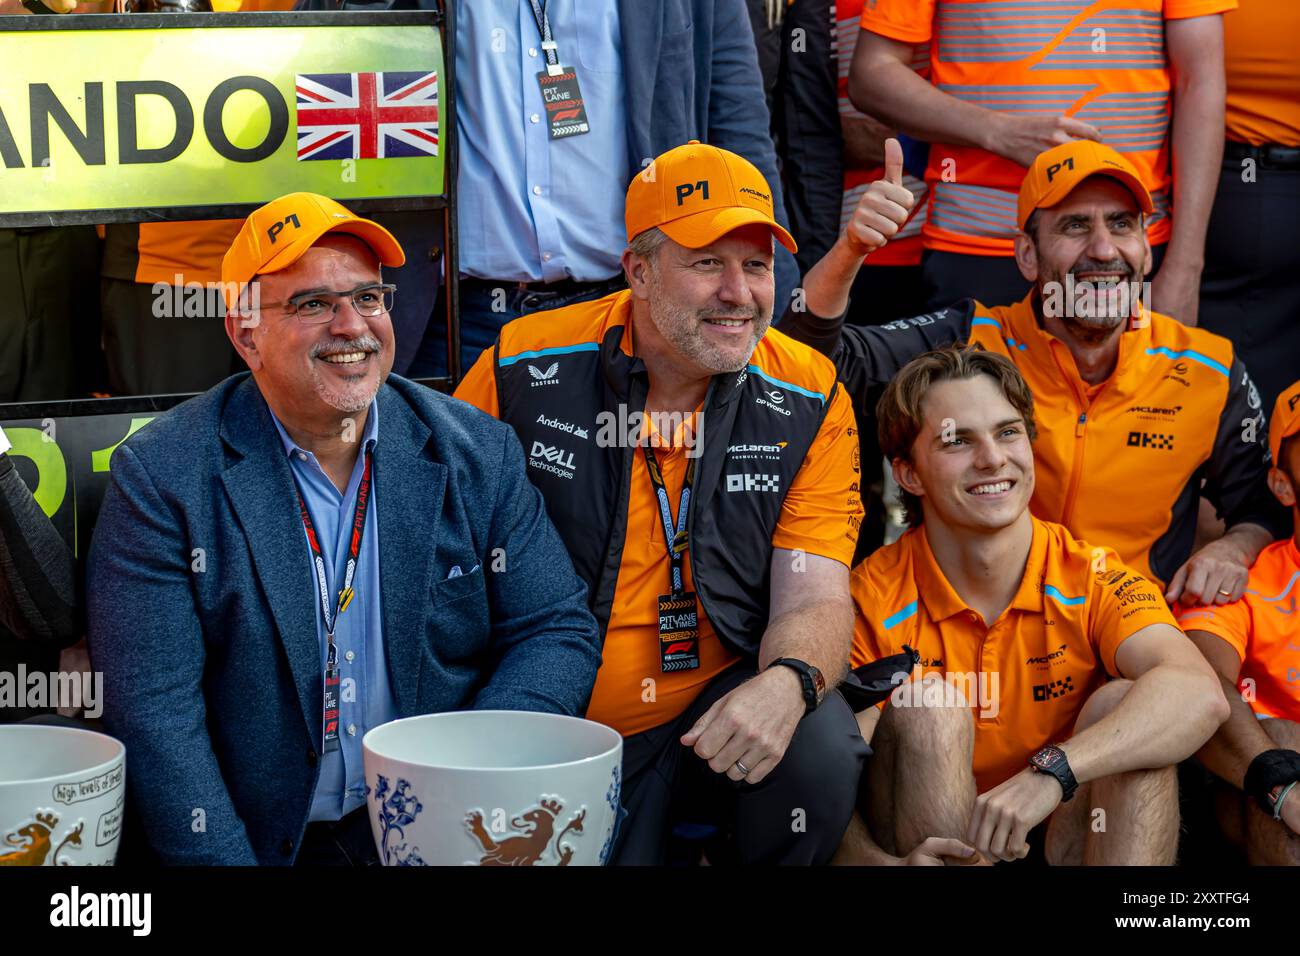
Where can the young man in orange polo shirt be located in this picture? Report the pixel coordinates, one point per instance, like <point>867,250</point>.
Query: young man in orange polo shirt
<point>702,471</point>
<point>1011,78</point>
<point>1254,645</point>
<point>1056,666</point>
<point>1141,415</point>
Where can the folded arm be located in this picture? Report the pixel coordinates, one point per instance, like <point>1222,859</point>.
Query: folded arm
<point>1174,706</point>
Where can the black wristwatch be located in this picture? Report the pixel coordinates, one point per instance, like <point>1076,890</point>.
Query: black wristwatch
<point>1051,760</point>
<point>814,685</point>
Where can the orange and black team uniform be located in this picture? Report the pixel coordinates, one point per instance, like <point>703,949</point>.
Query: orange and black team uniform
<point>1027,674</point>
<point>774,467</point>
<point>1121,464</point>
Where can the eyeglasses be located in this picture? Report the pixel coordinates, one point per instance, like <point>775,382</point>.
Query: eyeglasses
<point>317,308</point>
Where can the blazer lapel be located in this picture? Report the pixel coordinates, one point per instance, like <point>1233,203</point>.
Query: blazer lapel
<point>264,499</point>
<point>409,489</point>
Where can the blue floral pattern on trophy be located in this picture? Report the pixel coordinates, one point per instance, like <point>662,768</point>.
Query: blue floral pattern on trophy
<point>611,797</point>
<point>397,811</point>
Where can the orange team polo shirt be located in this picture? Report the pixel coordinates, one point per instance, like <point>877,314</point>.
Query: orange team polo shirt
<point>904,249</point>
<point>1263,627</point>
<point>1259,62</point>
<point>813,518</point>
<point>1040,56</point>
<point>1028,674</point>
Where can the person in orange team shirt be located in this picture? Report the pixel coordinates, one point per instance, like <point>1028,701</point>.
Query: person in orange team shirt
<point>1254,645</point>
<point>1249,291</point>
<point>1011,78</point>
<point>1142,415</point>
<point>1048,665</point>
<point>715,539</point>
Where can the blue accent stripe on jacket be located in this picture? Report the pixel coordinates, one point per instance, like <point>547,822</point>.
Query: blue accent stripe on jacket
<point>1189,354</point>
<point>559,350</point>
<point>755,370</point>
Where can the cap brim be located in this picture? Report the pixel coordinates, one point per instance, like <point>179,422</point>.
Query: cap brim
<point>1064,185</point>
<point>380,240</point>
<point>702,228</point>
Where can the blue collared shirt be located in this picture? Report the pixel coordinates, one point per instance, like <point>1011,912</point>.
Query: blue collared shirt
<point>533,209</point>
<point>365,695</point>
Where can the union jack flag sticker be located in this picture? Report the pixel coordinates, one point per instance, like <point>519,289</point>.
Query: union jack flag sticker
<point>367,115</point>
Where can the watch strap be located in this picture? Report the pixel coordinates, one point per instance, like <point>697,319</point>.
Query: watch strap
<point>1051,760</point>
<point>810,679</point>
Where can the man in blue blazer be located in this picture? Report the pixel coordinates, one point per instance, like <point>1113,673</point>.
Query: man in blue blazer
<point>295,557</point>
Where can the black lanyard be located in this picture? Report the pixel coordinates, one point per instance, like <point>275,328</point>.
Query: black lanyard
<point>548,41</point>
<point>354,557</point>
<point>677,538</point>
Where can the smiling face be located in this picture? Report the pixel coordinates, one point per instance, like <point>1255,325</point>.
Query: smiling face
<point>1095,235</point>
<point>711,305</point>
<point>972,464</point>
<point>336,366</point>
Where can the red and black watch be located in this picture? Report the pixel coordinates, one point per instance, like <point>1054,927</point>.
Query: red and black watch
<point>1051,760</point>
<point>814,685</point>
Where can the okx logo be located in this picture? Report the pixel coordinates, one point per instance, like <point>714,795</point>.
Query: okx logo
<point>753,482</point>
<point>1053,689</point>
<point>1151,440</point>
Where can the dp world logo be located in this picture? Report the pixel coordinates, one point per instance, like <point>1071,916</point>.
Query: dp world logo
<point>774,399</point>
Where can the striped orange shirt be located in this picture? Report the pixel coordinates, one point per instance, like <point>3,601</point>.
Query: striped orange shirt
<point>904,249</point>
<point>1101,62</point>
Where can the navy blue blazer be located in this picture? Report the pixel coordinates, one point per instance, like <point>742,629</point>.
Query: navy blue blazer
<point>202,618</point>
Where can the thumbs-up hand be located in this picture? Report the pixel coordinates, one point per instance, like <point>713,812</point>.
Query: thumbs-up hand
<point>883,208</point>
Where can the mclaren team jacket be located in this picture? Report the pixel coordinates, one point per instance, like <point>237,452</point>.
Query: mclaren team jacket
<point>1122,467</point>
<point>567,383</point>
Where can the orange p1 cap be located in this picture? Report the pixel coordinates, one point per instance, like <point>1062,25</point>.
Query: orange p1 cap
<point>276,235</point>
<point>1056,172</point>
<point>697,194</point>
<point>1285,421</point>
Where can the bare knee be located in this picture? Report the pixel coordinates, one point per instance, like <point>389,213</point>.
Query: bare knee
<point>930,713</point>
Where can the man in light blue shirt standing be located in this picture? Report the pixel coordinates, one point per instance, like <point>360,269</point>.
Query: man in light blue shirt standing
<point>541,190</point>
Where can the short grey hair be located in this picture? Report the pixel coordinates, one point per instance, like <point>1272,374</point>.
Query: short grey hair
<point>646,244</point>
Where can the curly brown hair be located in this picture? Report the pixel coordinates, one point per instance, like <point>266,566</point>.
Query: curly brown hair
<point>898,413</point>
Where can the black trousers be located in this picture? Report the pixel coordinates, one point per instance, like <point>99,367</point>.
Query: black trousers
<point>347,841</point>
<point>1250,289</point>
<point>49,314</point>
<point>155,354</point>
<point>796,815</point>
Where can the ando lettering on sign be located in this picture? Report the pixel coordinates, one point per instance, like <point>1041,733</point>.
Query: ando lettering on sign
<point>103,116</point>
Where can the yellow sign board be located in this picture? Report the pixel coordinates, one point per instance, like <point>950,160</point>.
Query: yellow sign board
<point>121,116</point>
